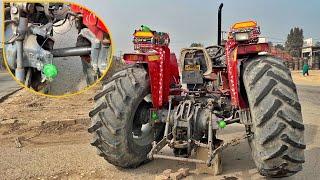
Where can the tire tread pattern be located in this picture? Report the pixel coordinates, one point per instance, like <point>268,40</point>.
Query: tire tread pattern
<point>110,117</point>
<point>277,144</point>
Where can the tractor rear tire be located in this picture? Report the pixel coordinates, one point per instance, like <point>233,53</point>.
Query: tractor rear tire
<point>112,119</point>
<point>277,143</point>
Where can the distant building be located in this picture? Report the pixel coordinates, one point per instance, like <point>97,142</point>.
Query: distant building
<point>310,51</point>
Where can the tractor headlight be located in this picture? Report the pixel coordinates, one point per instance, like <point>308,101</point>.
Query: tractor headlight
<point>243,36</point>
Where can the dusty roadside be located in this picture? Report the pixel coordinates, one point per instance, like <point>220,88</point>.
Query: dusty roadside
<point>7,85</point>
<point>26,107</point>
<point>312,80</point>
<point>29,108</point>
<point>44,138</point>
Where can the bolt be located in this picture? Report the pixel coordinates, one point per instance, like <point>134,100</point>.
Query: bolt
<point>14,10</point>
<point>154,116</point>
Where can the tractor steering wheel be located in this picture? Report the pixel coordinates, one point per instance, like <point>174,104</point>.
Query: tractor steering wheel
<point>215,51</point>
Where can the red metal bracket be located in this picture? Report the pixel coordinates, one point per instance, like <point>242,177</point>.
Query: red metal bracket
<point>91,21</point>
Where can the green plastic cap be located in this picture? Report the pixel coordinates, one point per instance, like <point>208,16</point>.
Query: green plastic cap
<point>154,116</point>
<point>222,124</point>
<point>50,71</point>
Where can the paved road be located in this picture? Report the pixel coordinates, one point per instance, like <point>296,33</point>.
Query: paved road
<point>63,151</point>
<point>7,84</point>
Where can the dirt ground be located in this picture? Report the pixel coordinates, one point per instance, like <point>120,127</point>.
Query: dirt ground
<point>44,138</point>
<point>312,80</point>
<point>70,78</point>
<point>25,107</point>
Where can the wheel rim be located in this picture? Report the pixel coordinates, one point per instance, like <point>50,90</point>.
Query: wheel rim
<point>142,132</point>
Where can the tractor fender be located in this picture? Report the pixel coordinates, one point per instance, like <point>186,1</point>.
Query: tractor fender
<point>90,20</point>
<point>162,68</point>
<point>233,52</point>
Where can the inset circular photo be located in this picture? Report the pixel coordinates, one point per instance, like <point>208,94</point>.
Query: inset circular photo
<point>55,48</point>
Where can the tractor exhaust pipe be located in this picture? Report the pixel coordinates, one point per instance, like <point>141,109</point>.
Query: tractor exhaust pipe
<point>219,23</point>
<point>73,51</point>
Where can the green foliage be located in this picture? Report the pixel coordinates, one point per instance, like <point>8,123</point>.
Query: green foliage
<point>279,46</point>
<point>196,45</point>
<point>294,42</point>
<point>318,43</point>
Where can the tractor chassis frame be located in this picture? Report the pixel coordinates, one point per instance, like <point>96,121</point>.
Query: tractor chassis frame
<point>219,146</point>
<point>216,146</point>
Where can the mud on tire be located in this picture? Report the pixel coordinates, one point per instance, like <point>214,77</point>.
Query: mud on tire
<point>278,131</point>
<point>112,118</point>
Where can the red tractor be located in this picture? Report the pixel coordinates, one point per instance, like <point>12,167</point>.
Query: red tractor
<point>156,102</point>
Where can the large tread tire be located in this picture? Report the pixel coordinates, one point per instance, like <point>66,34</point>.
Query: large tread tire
<point>278,131</point>
<point>112,118</point>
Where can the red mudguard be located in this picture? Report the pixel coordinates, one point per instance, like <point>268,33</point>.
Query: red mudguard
<point>91,21</point>
<point>163,72</point>
<point>233,51</point>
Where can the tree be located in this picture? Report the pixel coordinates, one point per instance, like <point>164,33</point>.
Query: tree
<point>318,43</point>
<point>196,45</point>
<point>279,46</point>
<point>294,42</point>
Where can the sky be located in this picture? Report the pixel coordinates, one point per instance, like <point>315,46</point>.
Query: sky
<point>189,21</point>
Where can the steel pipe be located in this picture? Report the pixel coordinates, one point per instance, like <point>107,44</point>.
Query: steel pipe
<point>158,156</point>
<point>19,71</point>
<point>73,51</point>
<point>21,30</point>
<point>231,121</point>
<point>166,130</point>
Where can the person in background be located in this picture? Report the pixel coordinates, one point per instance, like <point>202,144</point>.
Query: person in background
<point>305,70</point>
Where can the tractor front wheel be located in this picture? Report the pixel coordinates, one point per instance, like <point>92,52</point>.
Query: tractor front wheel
<point>278,131</point>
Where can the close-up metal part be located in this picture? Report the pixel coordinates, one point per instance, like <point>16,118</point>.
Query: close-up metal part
<point>30,38</point>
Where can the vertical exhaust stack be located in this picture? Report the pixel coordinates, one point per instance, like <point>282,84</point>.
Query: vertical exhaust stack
<point>219,23</point>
